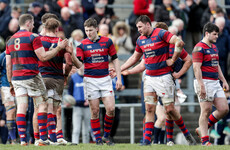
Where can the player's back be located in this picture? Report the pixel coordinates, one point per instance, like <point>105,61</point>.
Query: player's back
<point>54,67</point>
<point>21,47</point>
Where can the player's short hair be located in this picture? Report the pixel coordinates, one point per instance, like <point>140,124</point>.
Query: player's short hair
<point>144,19</point>
<point>210,27</point>
<point>90,22</point>
<point>47,16</point>
<point>51,24</point>
<point>24,18</point>
<point>161,25</point>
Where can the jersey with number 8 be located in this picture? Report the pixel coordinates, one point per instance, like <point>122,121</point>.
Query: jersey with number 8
<point>21,48</point>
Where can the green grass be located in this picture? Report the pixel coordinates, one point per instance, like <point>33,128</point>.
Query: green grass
<point>116,147</point>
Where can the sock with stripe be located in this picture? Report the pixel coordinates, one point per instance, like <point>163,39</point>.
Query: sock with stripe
<point>148,132</point>
<point>108,122</point>
<point>169,125</point>
<point>21,124</point>
<point>11,125</point>
<point>36,136</point>
<point>212,120</point>
<point>156,134</point>
<point>95,125</point>
<point>181,125</point>
<point>51,126</point>
<point>42,123</point>
<point>60,134</point>
<point>205,139</point>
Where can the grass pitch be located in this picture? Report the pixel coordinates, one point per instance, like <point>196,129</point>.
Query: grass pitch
<point>116,147</point>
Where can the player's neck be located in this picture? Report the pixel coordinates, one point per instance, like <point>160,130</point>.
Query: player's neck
<point>24,28</point>
<point>206,41</point>
<point>51,34</point>
<point>150,31</point>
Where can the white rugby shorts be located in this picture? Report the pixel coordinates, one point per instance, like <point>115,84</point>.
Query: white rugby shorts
<point>164,86</point>
<point>6,95</point>
<point>95,88</point>
<point>212,87</point>
<point>31,87</point>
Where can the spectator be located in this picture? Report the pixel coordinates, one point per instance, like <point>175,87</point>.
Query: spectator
<point>12,28</point>
<point>35,9</point>
<point>68,22</point>
<point>104,30</point>
<point>108,11</point>
<point>193,33</point>
<point>88,8</point>
<point>144,7</point>
<point>76,38</point>
<point>5,16</point>
<point>16,12</point>
<point>122,39</point>
<point>3,128</point>
<point>223,45</point>
<point>100,15</point>
<point>210,13</point>
<point>81,111</point>
<point>167,13</point>
<point>220,13</point>
<point>180,26</point>
<point>76,12</point>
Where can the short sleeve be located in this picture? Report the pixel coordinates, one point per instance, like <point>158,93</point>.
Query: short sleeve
<point>197,54</point>
<point>112,50</point>
<point>80,53</point>
<point>137,48</point>
<point>165,35</point>
<point>36,41</point>
<point>183,54</point>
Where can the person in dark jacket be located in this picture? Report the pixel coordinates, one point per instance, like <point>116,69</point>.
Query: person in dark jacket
<point>5,14</point>
<point>167,12</point>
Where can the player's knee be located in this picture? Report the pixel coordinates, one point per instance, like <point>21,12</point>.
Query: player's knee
<point>110,110</point>
<point>95,112</point>
<point>150,109</point>
<point>169,109</point>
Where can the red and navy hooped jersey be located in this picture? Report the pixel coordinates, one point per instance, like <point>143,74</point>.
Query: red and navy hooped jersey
<point>21,48</point>
<point>183,53</point>
<point>95,56</point>
<point>209,58</point>
<point>156,51</point>
<point>52,68</point>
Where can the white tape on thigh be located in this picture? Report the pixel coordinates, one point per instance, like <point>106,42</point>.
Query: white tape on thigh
<point>167,100</point>
<point>22,100</point>
<point>150,100</point>
<point>50,100</point>
<point>38,100</point>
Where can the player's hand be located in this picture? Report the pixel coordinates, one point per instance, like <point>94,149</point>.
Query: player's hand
<point>169,62</point>
<point>12,91</point>
<point>225,86</point>
<point>125,72</point>
<point>65,80</point>
<point>118,85</point>
<point>202,94</point>
<point>69,48</point>
<point>176,75</point>
<point>112,73</point>
<point>62,44</point>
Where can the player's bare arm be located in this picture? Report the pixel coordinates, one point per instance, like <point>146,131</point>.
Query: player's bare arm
<point>222,78</point>
<point>179,44</point>
<point>198,75</point>
<point>118,72</point>
<point>187,64</point>
<point>131,61</point>
<point>137,69</point>
<point>46,55</point>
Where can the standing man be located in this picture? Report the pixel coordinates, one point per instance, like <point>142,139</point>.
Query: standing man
<point>94,52</point>
<point>22,53</point>
<point>207,87</point>
<point>154,44</point>
<point>52,74</point>
<point>8,100</point>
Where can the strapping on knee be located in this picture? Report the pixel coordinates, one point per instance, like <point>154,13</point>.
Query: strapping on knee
<point>9,108</point>
<point>50,100</point>
<point>38,100</point>
<point>22,100</point>
<point>167,100</point>
<point>150,100</point>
